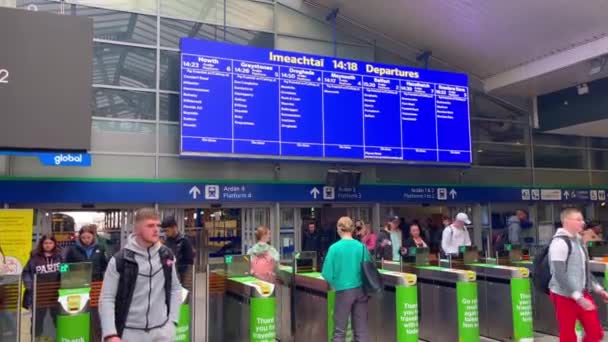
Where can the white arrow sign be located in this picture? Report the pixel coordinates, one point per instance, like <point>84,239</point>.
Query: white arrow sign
<point>315,192</point>
<point>566,194</point>
<point>453,193</point>
<point>194,191</point>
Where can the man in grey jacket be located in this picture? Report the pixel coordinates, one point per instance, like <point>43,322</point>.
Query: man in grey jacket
<point>141,292</point>
<point>514,226</point>
<point>571,281</point>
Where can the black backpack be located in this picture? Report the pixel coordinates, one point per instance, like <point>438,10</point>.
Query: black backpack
<point>542,271</point>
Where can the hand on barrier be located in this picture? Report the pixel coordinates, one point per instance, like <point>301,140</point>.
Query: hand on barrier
<point>604,295</point>
<point>586,304</point>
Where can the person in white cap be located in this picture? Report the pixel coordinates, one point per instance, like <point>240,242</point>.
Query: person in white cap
<point>456,235</point>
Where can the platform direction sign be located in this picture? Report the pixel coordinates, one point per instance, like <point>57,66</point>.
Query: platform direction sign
<point>18,190</point>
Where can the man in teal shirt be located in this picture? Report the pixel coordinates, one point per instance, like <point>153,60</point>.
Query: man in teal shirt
<point>342,270</point>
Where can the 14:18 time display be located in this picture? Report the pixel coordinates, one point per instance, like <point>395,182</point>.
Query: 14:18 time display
<point>348,66</point>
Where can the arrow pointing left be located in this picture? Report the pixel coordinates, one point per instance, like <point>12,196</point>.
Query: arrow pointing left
<point>194,191</point>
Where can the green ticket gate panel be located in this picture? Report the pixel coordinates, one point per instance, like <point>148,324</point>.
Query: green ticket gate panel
<point>394,315</point>
<point>448,302</point>
<point>599,269</point>
<point>74,318</point>
<point>505,302</point>
<point>248,306</point>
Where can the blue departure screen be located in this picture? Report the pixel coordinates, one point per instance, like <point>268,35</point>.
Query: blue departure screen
<point>241,101</point>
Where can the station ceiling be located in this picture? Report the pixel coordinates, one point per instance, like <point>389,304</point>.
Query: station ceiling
<point>516,47</point>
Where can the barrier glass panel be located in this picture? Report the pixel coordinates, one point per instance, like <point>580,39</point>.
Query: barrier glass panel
<point>10,307</point>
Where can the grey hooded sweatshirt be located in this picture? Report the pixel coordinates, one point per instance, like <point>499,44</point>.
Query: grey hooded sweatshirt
<point>148,309</point>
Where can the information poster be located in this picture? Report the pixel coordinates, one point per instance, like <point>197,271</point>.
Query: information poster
<point>521,297</point>
<point>15,239</point>
<point>468,312</point>
<point>262,320</point>
<point>407,313</point>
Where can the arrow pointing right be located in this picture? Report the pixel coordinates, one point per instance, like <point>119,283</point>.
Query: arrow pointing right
<point>315,192</point>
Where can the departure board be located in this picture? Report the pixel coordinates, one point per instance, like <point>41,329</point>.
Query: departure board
<point>245,102</point>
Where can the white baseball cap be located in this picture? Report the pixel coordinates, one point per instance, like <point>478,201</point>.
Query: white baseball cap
<point>462,217</point>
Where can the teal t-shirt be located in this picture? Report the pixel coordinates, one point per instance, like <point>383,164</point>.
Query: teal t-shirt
<point>342,266</point>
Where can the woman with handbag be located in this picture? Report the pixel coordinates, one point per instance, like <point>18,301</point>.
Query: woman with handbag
<point>342,269</point>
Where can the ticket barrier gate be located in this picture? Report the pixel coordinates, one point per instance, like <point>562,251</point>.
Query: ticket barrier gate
<point>10,308</point>
<point>505,296</point>
<point>248,308</point>
<point>448,307</point>
<point>598,265</point>
<point>74,315</point>
<point>393,316</point>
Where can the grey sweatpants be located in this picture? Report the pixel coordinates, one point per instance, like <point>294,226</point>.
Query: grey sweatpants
<point>351,303</point>
<point>164,334</point>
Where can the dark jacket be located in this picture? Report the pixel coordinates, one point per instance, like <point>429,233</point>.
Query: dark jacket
<point>385,252</point>
<point>184,254</point>
<point>98,259</point>
<point>311,242</point>
<point>409,243</point>
<point>46,269</point>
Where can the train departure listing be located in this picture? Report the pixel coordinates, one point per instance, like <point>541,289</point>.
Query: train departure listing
<point>247,102</point>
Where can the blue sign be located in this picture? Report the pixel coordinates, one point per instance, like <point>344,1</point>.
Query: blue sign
<point>249,102</point>
<point>59,191</point>
<point>55,159</point>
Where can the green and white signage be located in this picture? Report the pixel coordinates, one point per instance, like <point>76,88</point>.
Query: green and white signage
<point>468,311</point>
<point>521,302</point>
<point>262,320</point>
<point>182,332</point>
<point>73,323</point>
<point>407,313</point>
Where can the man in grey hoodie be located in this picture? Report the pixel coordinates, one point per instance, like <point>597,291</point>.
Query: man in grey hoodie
<point>141,292</point>
<point>571,281</point>
<point>514,226</point>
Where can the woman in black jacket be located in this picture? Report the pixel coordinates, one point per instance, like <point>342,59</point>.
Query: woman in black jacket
<point>415,239</point>
<point>87,249</point>
<point>44,266</point>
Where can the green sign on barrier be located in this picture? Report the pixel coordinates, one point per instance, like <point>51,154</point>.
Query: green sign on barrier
<point>262,320</point>
<point>182,332</point>
<point>521,303</point>
<point>468,312</point>
<point>73,323</point>
<point>407,313</point>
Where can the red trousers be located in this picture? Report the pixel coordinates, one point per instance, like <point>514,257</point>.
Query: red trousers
<point>568,312</point>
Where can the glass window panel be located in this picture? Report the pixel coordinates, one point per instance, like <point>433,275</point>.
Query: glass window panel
<point>558,140</point>
<point>137,6</point>
<point>561,158</point>
<point>169,107</point>
<point>205,11</point>
<point>119,26</point>
<point>290,22</point>
<point>34,5</point>
<point>305,46</point>
<point>499,131</point>
<point>249,14</point>
<point>121,136</point>
<point>499,155</point>
<point>169,70</point>
<point>599,160</point>
<point>114,103</point>
<point>599,142</point>
<point>169,138</point>
<point>483,106</point>
<point>127,66</point>
<point>172,30</point>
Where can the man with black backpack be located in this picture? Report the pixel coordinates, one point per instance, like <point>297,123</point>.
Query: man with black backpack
<point>571,281</point>
<point>141,293</point>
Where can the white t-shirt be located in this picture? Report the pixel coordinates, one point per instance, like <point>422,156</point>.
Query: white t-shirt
<point>453,238</point>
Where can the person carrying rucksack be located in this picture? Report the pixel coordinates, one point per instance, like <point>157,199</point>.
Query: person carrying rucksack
<point>456,235</point>
<point>571,281</point>
<point>141,293</point>
<point>264,257</point>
